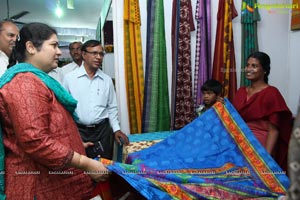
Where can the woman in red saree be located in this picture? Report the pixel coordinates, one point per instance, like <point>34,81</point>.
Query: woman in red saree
<point>41,153</point>
<point>264,110</point>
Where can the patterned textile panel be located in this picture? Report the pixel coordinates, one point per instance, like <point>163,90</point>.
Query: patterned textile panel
<point>143,141</point>
<point>136,146</point>
<point>214,157</point>
<point>150,136</point>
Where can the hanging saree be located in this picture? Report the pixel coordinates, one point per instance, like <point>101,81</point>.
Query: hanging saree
<point>149,65</point>
<point>134,73</point>
<point>249,18</point>
<point>182,94</point>
<point>214,157</point>
<point>156,112</point>
<point>203,48</point>
<point>295,18</point>
<point>224,69</point>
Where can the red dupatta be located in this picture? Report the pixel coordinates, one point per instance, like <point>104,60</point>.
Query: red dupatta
<point>268,104</point>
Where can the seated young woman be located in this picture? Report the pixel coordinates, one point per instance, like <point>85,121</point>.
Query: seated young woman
<point>263,108</point>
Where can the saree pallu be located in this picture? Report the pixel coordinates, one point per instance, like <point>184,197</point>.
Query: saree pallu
<point>156,112</point>
<point>182,105</point>
<point>133,57</point>
<point>203,48</point>
<point>214,157</point>
<point>224,69</point>
<point>249,18</point>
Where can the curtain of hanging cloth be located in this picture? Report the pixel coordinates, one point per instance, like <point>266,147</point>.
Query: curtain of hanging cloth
<point>156,112</point>
<point>249,18</point>
<point>203,48</point>
<point>182,94</point>
<point>134,73</point>
<point>224,69</point>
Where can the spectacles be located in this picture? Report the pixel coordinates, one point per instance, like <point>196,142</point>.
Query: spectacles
<point>95,53</point>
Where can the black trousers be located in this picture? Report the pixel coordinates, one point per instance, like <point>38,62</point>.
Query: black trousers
<point>101,132</point>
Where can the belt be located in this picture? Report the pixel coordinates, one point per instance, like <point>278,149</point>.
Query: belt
<point>92,126</point>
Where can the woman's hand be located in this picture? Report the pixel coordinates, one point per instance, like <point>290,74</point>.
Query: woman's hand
<point>95,169</point>
<point>272,137</point>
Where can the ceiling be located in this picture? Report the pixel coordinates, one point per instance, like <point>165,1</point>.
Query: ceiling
<point>85,14</point>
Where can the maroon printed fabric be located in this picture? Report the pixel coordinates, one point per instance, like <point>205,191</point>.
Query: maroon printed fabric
<point>182,25</point>
<point>203,48</point>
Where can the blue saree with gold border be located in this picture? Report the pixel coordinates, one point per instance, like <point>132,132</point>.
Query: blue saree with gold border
<point>214,157</point>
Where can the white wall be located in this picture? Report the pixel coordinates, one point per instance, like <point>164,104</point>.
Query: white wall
<point>293,79</point>
<point>117,13</point>
<point>274,37</point>
<point>108,65</point>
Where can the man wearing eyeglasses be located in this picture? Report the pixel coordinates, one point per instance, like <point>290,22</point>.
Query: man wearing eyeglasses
<point>97,108</point>
<point>8,36</point>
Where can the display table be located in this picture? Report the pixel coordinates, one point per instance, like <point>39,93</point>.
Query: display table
<point>142,141</point>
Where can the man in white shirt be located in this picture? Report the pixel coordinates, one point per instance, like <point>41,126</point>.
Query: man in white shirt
<point>57,74</point>
<point>75,52</point>
<point>97,107</point>
<point>8,36</point>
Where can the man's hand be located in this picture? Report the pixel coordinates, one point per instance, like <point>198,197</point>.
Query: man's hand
<point>119,135</point>
<point>87,144</point>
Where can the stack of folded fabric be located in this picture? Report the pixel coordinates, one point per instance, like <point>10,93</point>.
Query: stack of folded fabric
<point>142,141</point>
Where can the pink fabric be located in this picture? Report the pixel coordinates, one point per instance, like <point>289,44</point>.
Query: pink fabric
<point>260,130</point>
<point>40,137</point>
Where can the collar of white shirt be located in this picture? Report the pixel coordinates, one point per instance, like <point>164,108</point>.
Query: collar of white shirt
<point>82,72</point>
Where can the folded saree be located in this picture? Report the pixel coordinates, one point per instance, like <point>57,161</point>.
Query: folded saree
<point>214,157</point>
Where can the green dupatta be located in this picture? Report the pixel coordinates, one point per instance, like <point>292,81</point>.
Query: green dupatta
<point>61,94</point>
